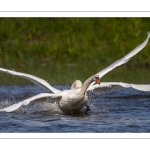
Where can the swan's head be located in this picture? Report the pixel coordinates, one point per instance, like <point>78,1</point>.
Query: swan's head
<point>97,79</point>
<point>76,85</point>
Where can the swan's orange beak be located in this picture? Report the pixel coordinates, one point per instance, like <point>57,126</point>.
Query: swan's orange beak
<point>97,80</point>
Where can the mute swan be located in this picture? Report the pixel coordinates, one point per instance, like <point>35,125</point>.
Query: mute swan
<point>75,99</point>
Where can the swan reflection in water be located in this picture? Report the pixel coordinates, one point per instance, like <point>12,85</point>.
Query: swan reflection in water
<point>75,100</point>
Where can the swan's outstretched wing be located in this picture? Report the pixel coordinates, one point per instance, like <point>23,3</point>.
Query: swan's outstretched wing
<point>125,58</point>
<point>31,99</point>
<point>112,86</point>
<point>37,81</point>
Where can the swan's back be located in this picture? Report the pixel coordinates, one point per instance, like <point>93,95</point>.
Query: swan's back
<point>76,85</point>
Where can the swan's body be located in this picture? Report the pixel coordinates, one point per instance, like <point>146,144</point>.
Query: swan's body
<point>73,101</point>
<point>76,99</point>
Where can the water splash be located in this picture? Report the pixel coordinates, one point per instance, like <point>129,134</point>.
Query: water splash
<point>97,103</point>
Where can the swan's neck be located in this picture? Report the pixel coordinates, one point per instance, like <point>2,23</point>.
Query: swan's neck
<point>86,85</point>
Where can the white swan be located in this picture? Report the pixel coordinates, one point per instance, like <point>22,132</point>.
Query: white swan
<point>75,99</point>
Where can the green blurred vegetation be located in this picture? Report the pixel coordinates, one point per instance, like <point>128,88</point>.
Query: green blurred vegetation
<point>61,50</point>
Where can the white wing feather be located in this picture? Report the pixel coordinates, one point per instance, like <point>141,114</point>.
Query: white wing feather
<point>125,58</point>
<point>37,81</point>
<point>109,85</point>
<point>27,101</point>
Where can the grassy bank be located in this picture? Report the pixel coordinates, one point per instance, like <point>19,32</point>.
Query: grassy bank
<point>61,50</point>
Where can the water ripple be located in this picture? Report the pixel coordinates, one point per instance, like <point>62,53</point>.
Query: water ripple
<point>125,110</point>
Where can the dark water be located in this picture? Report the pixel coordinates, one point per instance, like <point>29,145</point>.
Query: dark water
<point>125,110</point>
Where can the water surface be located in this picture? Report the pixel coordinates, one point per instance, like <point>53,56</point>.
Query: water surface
<point>125,110</point>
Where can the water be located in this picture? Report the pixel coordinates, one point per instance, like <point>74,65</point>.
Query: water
<point>125,110</point>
